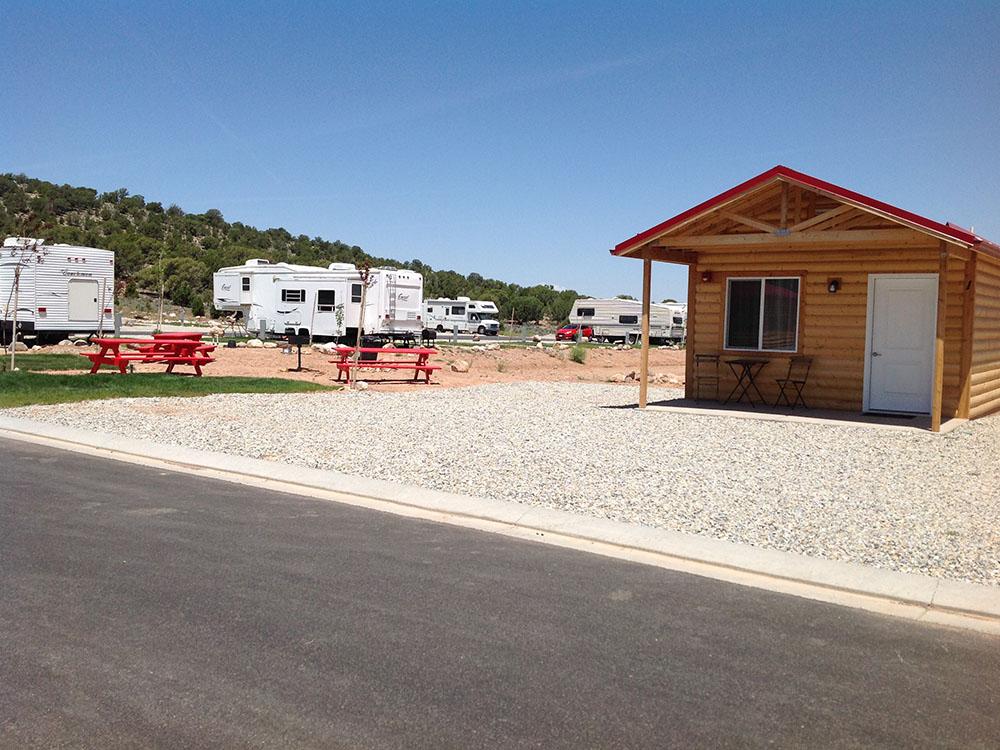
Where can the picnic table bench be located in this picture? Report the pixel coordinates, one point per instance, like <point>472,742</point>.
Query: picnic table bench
<point>404,359</point>
<point>169,350</point>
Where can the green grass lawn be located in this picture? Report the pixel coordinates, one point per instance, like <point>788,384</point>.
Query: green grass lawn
<point>26,388</point>
<point>35,362</point>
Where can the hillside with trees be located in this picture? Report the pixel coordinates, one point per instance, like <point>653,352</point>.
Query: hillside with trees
<point>153,244</point>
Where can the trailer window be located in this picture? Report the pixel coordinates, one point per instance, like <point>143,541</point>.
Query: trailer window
<point>629,320</point>
<point>246,283</point>
<point>678,320</point>
<point>585,312</point>
<point>355,292</point>
<point>762,314</point>
<point>458,311</point>
<point>293,295</point>
<point>325,300</point>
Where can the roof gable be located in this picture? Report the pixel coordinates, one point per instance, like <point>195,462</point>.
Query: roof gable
<point>781,173</point>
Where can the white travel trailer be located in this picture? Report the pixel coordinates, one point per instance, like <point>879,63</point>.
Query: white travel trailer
<point>621,319</point>
<point>63,289</point>
<point>470,315</point>
<point>324,301</point>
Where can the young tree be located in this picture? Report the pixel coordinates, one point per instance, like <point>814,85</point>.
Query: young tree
<point>25,252</point>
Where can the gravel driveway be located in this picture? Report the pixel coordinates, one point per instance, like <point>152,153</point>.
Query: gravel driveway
<point>899,499</point>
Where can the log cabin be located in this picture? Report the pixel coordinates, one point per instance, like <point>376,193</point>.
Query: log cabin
<point>894,312</point>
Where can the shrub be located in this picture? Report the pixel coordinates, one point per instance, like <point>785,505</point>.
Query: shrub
<point>197,307</point>
<point>578,354</point>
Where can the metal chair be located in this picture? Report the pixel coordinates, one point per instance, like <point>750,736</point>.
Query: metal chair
<point>706,372</point>
<point>794,382</point>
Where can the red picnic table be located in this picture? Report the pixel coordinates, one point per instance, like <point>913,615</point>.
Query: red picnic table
<point>412,359</point>
<point>169,351</point>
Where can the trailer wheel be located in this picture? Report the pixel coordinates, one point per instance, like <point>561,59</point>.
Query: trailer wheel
<point>440,328</point>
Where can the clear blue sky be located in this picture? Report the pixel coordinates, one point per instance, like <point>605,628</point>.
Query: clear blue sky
<point>517,140</point>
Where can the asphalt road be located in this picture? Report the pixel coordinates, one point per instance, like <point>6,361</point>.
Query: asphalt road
<point>145,608</point>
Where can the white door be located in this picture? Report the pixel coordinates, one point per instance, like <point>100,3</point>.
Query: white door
<point>902,317</point>
<point>83,300</point>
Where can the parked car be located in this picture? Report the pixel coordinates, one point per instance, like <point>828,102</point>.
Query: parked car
<point>568,333</point>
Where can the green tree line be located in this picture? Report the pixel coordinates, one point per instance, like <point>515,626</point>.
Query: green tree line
<point>149,240</point>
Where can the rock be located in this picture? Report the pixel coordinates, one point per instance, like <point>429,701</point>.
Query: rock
<point>241,344</point>
<point>171,315</point>
<point>65,342</point>
<point>255,344</point>
<point>36,348</point>
<point>81,342</point>
<point>475,337</point>
<point>360,385</point>
<point>562,347</point>
<point>270,344</point>
<point>617,378</point>
<point>20,346</point>
<point>460,365</point>
<point>632,376</point>
<point>539,345</point>
<point>492,347</point>
<point>388,345</point>
<point>536,338</point>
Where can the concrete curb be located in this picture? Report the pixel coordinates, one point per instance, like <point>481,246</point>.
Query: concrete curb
<point>918,597</point>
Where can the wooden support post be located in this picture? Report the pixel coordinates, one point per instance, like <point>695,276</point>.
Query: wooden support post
<point>937,394</point>
<point>647,275</point>
<point>784,205</point>
<point>968,317</point>
<point>688,331</point>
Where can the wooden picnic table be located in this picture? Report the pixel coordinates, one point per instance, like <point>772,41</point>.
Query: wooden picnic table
<point>415,359</point>
<point>170,351</point>
<point>180,335</point>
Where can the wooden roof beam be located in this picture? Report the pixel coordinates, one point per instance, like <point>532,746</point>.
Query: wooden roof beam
<point>899,237</point>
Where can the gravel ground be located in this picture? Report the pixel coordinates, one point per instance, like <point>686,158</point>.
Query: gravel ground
<point>899,499</point>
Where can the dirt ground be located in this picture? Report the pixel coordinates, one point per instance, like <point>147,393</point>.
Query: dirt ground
<point>499,366</point>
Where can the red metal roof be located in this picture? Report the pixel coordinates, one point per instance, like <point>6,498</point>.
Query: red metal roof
<point>948,231</point>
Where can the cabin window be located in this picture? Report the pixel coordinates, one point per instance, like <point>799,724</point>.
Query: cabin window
<point>629,320</point>
<point>458,311</point>
<point>246,283</point>
<point>762,314</point>
<point>355,292</point>
<point>585,312</point>
<point>293,295</point>
<point>325,300</point>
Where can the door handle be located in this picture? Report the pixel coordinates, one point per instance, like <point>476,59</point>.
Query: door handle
<point>876,354</point>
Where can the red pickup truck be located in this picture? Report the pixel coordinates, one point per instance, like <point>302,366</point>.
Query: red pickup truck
<point>568,332</point>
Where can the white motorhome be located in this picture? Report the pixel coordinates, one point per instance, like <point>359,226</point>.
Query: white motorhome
<point>620,319</point>
<point>324,301</point>
<point>63,289</point>
<point>470,315</point>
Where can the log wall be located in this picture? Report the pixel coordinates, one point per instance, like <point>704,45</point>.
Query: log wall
<point>832,327</point>
<point>984,395</point>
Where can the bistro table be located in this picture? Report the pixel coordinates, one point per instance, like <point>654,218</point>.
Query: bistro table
<point>746,371</point>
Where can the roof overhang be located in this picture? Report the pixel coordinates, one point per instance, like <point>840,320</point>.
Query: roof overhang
<point>947,232</point>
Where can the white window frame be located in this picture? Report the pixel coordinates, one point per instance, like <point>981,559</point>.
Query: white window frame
<point>760,330</point>
<point>356,296</point>
<point>585,312</point>
<point>325,307</point>
<point>300,293</point>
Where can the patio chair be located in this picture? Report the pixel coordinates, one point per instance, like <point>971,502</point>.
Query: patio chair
<point>706,373</point>
<point>791,386</point>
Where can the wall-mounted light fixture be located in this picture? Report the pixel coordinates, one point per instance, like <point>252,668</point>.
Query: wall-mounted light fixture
<point>833,286</point>
<point>706,276</point>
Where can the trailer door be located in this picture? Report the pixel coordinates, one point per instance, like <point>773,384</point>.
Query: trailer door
<point>84,305</point>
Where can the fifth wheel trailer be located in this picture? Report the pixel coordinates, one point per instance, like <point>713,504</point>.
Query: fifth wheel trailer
<point>324,301</point>
<point>621,319</point>
<point>63,289</point>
